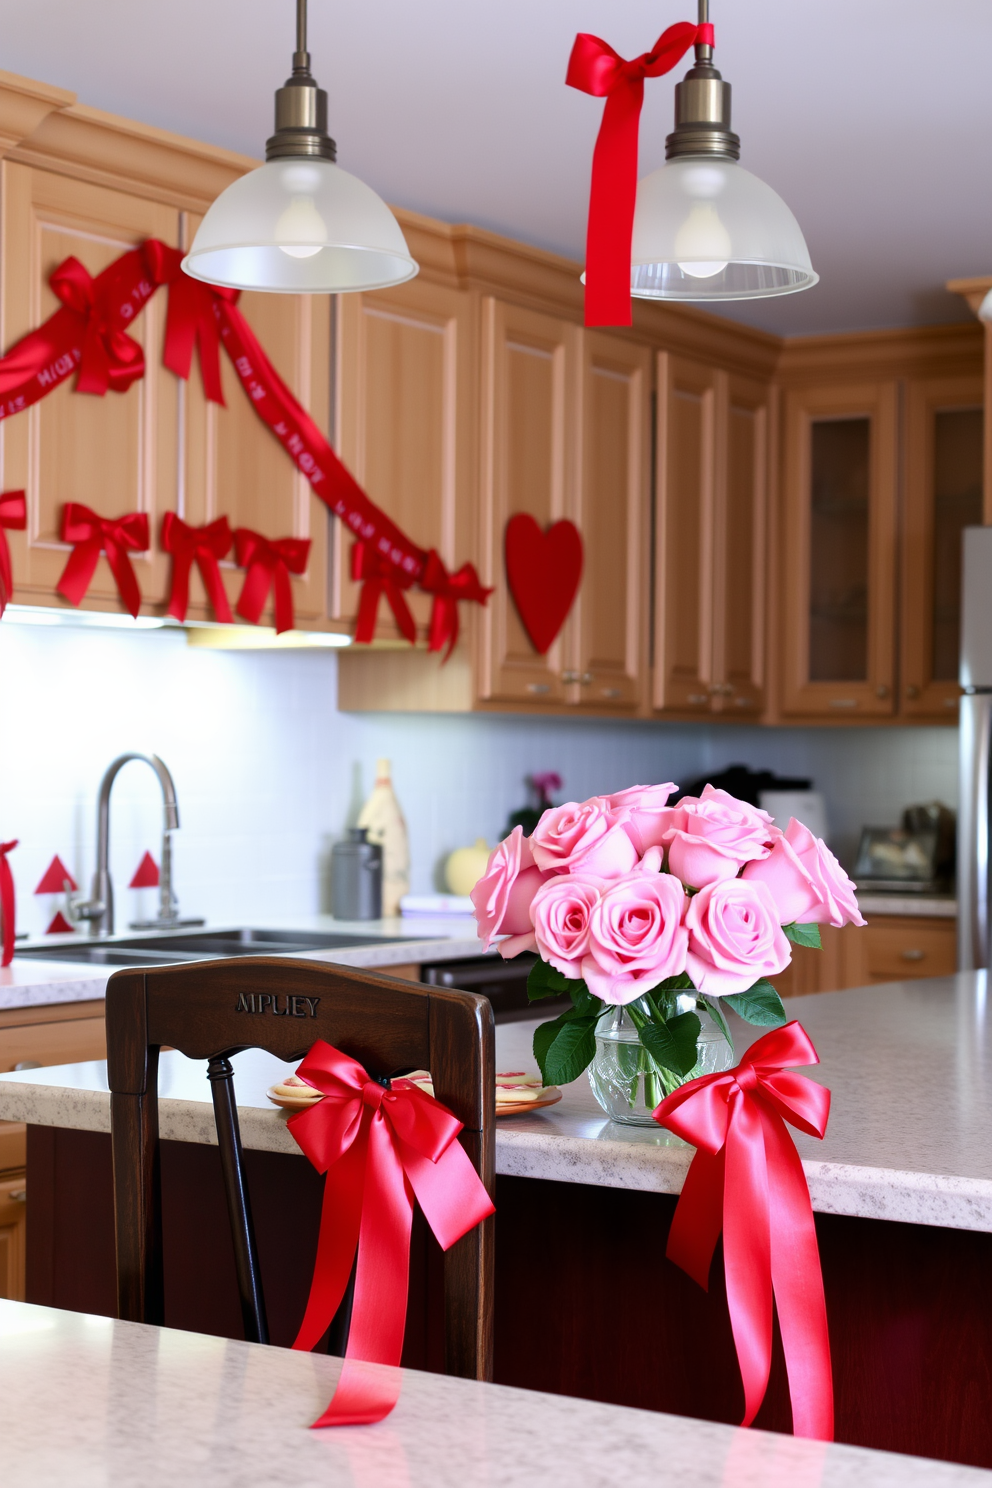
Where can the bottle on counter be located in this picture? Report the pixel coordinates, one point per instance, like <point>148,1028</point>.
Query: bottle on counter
<point>383,820</point>
<point>356,877</point>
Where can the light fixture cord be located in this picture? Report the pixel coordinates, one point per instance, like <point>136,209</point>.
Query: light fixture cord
<point>704,52</point>
<point>301,58</point>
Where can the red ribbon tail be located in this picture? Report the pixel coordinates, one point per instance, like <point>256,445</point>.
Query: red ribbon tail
<point>747,1254</point>
<point>254,592</point>
<point>698,1217</point>
<point>363,1396</point>
<point>444,625</point>
<point>124,576</point>
<point>214,585</point>
<point>401,612</point>
<point>79,570</point>
<point>283,586</point>
<point>612,198</point>
<point>6,572</point>
<point>368,610</point>
<point>340,1221</point>
<point>179,592</point>
<point>8,905</point>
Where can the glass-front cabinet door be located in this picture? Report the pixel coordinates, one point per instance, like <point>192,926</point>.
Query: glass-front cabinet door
<point>943,495</point>
<point>839,488</point>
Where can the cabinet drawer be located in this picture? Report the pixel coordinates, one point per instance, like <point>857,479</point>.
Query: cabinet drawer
<point>13,1224</point>
<point>53,1043</point>
<point>913,950</point>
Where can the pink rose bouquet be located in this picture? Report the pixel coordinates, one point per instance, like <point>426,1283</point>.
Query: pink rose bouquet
<point>660,914</point>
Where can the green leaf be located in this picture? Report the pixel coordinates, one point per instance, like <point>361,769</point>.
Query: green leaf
<point>804,935</point>
<point>569,1052</point>
<point>673,1044</point>
<point>545,981</point>
<point>712,1006</point>
<point>544,1036</point>
<point>760,1005</point>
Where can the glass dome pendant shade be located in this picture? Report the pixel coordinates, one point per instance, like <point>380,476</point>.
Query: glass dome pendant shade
<point>704,228</point>
<point>300,224</point>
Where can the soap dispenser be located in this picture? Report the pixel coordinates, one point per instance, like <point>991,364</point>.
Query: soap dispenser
<point>383,820</point>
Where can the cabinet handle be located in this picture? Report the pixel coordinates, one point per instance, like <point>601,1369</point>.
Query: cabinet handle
<point>18,1195</point>
<point>26,1064</point>
<point>912,691</point>
<point>570,676</point>
<point>698,697</point>
<point>722,689</point>
<point>743,702</point>
<point>539,687</point>
<point>951,702</point>
<point>881,691</point>
<point>586,679</point>
<point>913,955</point>
<point>611,692</point>
<point>843,702</point>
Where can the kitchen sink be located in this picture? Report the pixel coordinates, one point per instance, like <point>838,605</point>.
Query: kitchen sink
<point>169,947</point>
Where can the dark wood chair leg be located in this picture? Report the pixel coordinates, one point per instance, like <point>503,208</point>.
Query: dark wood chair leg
<point>221,1076</point>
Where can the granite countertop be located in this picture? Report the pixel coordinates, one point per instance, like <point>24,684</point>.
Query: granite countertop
<point>926,906</point>
<point>909,1139</point>
<point>91,1401</point>
<point>31,981</point>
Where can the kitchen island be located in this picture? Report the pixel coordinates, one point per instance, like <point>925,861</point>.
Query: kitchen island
<point>586,1303</point>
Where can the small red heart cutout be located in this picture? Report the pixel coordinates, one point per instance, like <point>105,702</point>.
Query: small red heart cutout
<point>544,570</point>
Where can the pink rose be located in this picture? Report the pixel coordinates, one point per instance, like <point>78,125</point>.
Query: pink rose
<point>503,895</point>
<point>582,837</point>
<point>734,937</point>
<point>644,813</point>
<point>561,912</point>
<point>636,937</point>
<point>806,880</point>
<point>712,836</point>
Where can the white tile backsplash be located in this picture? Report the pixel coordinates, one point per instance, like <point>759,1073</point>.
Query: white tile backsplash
<point>267,770</point>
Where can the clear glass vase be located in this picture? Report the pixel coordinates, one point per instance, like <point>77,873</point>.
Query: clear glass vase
<point>625,1079</point>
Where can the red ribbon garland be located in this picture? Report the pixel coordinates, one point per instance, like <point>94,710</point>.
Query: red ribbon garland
<point>379,577</point>
<point>13,514</point>
<point>8,905</point>
<point>447,590</point>
<point>204,546</point>
<point>92,535</point>
<point>190,320</point>
<point>747,1178</point>
<point>269,566</point>
<point>594,67</point>
<point>380,1149</point>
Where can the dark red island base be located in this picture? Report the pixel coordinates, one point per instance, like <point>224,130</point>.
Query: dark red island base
<point>586,1303</point>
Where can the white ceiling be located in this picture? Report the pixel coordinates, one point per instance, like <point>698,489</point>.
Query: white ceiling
<point>872,119</point>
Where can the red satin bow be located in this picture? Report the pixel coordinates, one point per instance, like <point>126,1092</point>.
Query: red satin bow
<point>447,590</point>
<point>205,546</point>
<point>747,1178</point>
<point>7,904</point>
<point>594,67</point>
<point>378,577</point>
<point>190,320</point>
<point>269,566</point>
<point>380,1148</point>
<point>110,357</point>
<point>13,514</point>
<point>92,535</point>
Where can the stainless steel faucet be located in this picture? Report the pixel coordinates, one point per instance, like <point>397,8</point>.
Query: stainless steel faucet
<point>99,908</point>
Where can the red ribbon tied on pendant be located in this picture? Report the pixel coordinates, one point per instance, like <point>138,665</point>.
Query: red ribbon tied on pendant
<point>204,546</point>
<point>747,1179</point>
<point>190,320</point>
<point>7,904</point>
<point>380,1149</point>
<point>14,515</point>
<point>378,577</point>
<point>269,566</point>
<point>594,67</point>
<point>92,535</point>
<point>447,590</point>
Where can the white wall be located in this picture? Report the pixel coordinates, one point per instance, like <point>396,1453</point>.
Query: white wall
<point>265,767</point>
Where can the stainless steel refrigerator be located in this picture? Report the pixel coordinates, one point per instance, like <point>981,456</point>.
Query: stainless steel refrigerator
<point>975,750</point>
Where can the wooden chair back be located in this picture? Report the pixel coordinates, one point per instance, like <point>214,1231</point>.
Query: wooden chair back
<point>213,1009</point>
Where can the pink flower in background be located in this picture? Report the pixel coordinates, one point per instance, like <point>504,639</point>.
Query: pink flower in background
<point>636,937</point>
<point>644,813</point>
<point>713,836</point>
<point>561,912</point>
<point>582,837</point>
<point>837,901</point>
<point>503,895</point>
<point>735,937</point>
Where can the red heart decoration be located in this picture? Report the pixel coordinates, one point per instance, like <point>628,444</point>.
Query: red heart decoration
<point>544,570</point>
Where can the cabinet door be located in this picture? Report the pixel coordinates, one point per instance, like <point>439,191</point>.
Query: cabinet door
<point>739,548</point>
<point>606,639</point>
<point>118,453</point>
<point>235,466</point>
<point>943,464</point>
<point>406,405</point>
<point>529,366</point>
<point>839,525</point>
<point>688,394</point>
<point>13,1230</point>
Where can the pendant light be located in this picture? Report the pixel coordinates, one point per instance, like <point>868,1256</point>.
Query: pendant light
<point>705,229</point>
<point>300,224</point>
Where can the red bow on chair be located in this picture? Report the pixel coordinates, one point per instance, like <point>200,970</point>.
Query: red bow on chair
<point>447,590</point>
<point>594,67</point>
<point>7,904</point>
<point>747,1179</point>
<point>110,357</point>
<point>190,320</point>
<point>381,1148</point>
<point>92,535</point>
<point>204,546</point>
<point>13,514</point>
<point>269,566</point>
<point>378,577</point>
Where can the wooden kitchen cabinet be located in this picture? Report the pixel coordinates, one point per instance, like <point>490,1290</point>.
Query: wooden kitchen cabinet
<point>13,1235</point>
<point>890,948</point>
<point>60,1033</point>
<point>710,542</point>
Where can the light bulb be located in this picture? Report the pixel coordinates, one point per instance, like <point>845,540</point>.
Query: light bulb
<point>702,243</point>
<point>301,231</point>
